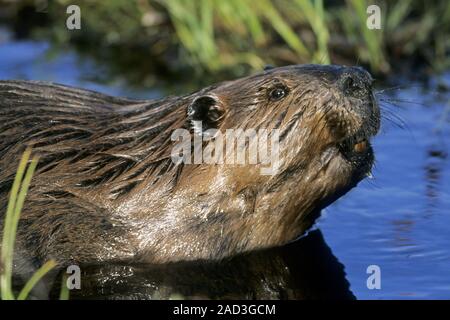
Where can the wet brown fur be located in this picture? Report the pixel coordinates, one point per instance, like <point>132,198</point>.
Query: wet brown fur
<point>106,188</point>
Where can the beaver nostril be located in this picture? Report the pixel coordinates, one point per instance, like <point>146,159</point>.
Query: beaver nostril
<point>350,84</point>
<point>354,81</point>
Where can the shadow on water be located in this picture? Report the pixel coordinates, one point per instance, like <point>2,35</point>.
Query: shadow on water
<point>304,269</point>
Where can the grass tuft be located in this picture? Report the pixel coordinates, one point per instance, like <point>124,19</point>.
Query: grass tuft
<point>17,197</point>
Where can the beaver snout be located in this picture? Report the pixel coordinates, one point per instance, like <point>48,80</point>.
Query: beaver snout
<point>356,119</point>
<point>355,81</point>
<point>355,111</point>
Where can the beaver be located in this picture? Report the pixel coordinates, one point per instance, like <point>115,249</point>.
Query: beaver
<point>107,189</point>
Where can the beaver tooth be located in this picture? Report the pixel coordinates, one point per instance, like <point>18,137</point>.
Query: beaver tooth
<point>360,146</point>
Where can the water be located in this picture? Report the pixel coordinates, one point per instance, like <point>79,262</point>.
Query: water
<point>399,220</point>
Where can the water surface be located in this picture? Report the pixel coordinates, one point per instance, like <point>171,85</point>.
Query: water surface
<point>399,220</point>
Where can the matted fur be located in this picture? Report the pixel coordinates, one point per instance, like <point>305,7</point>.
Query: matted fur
<point>106,188</point>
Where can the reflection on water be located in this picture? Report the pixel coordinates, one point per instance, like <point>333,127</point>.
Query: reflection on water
<point>400,220</point>
<point>305,269</point>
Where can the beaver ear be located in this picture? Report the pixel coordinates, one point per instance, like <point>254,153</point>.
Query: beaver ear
<point>205,112</point>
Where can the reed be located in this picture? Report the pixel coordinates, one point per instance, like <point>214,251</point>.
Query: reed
<point>16,201</point>
<point>235,36</point>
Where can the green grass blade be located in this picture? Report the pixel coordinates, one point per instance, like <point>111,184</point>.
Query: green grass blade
<point>20,201</point>
<point>37,276</point>
<point>397,15</point>
<point>6,257</point>
<point>315,15</point>
<point>373,39</point>
<point>282,27</point>
<point>64,293</point>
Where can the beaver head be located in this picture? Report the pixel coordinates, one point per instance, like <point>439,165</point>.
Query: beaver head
<point>323,118</point>
<point>107,164</point>
<point>324,115</point>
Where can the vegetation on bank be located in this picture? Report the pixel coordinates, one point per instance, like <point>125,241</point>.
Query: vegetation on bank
<point>11,221</point>
<point>141,37</point>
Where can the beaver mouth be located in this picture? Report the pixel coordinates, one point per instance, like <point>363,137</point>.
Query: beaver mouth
<point>355,146</point>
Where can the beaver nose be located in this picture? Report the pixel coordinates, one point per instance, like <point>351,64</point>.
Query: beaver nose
<point>354,80</point>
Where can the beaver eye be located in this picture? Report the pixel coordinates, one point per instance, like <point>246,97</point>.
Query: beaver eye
<point>277,93</point>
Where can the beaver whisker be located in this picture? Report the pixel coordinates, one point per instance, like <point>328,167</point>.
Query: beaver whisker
<point>395,102</point>
<point>395,88</point>
<point>393,118</point>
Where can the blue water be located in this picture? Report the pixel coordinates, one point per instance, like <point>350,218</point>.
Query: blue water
<point>399,220</point>
<point>37,61</point>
